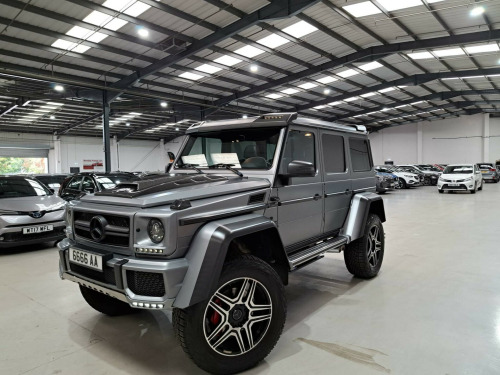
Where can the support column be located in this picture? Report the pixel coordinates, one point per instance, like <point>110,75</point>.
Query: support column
<point>420,144</point>
<point>105,131</point>
<point>486,137</point>
<point>115,150</point>
<point>57,154</point>
<point>162,160</point>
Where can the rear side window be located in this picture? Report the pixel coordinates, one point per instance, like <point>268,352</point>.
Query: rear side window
<point>360,155</point>
<point>333,153</point>
<point>300,147</point>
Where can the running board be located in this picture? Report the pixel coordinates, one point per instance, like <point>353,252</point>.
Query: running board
<point>332,245</point>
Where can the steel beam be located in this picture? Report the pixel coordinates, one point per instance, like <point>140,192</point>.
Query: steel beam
<point>274,10</point>
<point>105,131</point>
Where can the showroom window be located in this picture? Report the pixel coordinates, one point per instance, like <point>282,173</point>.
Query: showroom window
<point>360,155</point>
<point>333,153</point>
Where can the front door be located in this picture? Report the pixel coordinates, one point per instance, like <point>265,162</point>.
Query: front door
<point>338,186</point>
<point>300,210</point>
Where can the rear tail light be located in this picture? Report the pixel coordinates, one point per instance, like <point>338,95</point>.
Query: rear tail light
<point>492,169</point>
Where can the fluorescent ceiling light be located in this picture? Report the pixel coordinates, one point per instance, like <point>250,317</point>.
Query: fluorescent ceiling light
<point>274,96</point>
<point>273,41</point>
<point>208,68</point>
<point>477,11</point>
<point>493,47</point>
<point>320,107</point>
<point>391,5</point>
<point>347,73</point>
<point>227,60</point>
<point>190,76</point>
<point>449,52</point>
<point>326,80</point>
<point>420,55</point>
<point>70,46</point>
<point>300,29</point>
<point>135,113</point>
<point>48,107</point>
<point>366,8</point>
<point>290,91</point>
<point>367,95</point>
<point>55,103</point>
<point>307,85</point>
<point>79,32</point>
<point>137,9</point>
<point>387,90</point>
<point>41,110</point>
<point>115,4</point>
<point>143,32</point>
<point>249,51</point>
<point>97,37</point>
<point>472,77</point>
<point>115,24</point>
<point>370,66</point>
<point>335,103</point>
<point>351,99</point>
<point>97,18</point>
<point>80,48</point>
<point>420,101</point>
<point>401,106</point>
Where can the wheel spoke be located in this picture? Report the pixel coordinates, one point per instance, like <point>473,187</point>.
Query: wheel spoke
<point>247,329</point>
<point>259,318</point>
<point>375,259</point>
<point>223,338</point>
<point>251,295</point>
<point>243,291</point>
<point>218,330</point>
<point>220,309</point>
<point>239,339</point>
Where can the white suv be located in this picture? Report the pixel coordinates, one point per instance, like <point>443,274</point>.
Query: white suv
<point>461,177</point>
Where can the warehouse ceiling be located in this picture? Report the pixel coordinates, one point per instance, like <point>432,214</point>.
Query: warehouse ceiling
<point>167,64</point>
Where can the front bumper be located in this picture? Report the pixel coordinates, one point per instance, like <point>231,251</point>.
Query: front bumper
<point>11,234</point>
<point>462,186</point>
<point>142,283</point>
<point>383,186</point>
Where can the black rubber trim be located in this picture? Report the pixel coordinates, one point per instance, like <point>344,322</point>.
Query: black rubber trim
<point>293,201</point>
<point>118,273</point>
<point>220,215</point>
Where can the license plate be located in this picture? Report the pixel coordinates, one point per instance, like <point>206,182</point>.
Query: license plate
<point>86,259</point>
<point>484,172</point>
<point>453,184</point>
<point>38,229</point>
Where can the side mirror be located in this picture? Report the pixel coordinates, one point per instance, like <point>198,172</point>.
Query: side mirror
<point>299,168</point>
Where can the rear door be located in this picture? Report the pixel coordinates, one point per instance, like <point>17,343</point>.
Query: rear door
<point>338,185</point>
<point>300,210</point>
<point>362,174</point>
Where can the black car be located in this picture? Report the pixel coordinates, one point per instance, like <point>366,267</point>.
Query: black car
<point>52,181</point>
<point>88,182</point>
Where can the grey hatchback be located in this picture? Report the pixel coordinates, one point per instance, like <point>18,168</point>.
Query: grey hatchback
<point>29,212</point>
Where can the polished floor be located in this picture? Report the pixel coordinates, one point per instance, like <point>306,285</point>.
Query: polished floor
<point>433,309</point>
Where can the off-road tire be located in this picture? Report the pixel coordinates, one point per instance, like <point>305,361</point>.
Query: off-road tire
<point>427,181</point>
<point>356,254</point>
<point>105,304</point>
<point>189,328</point>
<point>440,191</point>
<point>403,184</point>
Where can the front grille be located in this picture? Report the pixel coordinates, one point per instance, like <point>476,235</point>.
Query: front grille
<point>146,283</point>
<point>19,236</point>
<point>117,229</point>
<point>107,276</point>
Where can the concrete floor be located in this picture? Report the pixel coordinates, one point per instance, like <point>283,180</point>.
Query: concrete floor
<point>433,309</point>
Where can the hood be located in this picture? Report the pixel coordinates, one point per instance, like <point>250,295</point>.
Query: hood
<point>165,189</point>
<point>456,176</point>
<point>29,204</point>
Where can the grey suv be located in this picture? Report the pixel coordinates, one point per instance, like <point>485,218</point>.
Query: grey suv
<point>247,201</point>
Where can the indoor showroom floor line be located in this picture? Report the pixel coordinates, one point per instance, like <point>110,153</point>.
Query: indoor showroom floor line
<point>433,309</point>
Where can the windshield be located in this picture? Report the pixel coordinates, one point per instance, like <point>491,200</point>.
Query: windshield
<point>458,169</point>
<point>243,148</point>
<point>429,168</point>
<point>110,182</point>
<point>484,166</point>
<point>406,169</point>
<point>22,187</point>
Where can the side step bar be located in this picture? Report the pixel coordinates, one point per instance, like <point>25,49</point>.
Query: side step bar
<point>332,245</point>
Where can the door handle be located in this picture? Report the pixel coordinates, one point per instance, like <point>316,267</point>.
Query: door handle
<point>317,197</point>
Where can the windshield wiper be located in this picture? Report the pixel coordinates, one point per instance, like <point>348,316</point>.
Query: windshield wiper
<point>228,167</point>
<point>192,166</point>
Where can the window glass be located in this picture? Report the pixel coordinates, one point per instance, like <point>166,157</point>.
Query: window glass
<point>300,147</point>
<point>88,184</point>
<point>360,155</point>
<point>243,148</point>
<point>13,187</point>
<point>333,153</point>
<point>75,183</point>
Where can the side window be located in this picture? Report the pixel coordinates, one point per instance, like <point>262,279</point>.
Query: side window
<point>360,155</point>
<point>88,184</point>
<point>333,153</point>
<point>299,146</point>
<point>74,184</point>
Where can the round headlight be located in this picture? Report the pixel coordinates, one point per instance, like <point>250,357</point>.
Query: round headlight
<point>156,231</point>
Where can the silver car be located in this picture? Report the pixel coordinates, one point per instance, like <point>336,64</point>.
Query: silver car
<point>29,212</point>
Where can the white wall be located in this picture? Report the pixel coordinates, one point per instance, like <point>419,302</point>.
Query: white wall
<point>456,140</point>
<point>129,155</point>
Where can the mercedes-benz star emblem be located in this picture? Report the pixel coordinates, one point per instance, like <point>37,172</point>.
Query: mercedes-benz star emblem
<point>98,228</point>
